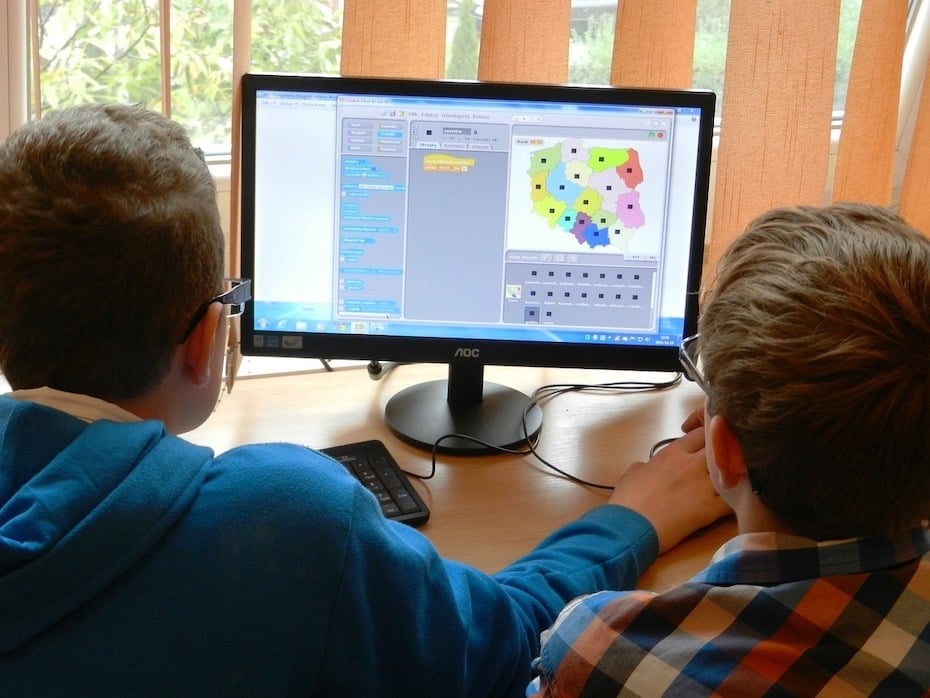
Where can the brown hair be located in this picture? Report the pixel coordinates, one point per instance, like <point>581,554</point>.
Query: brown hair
<point>815,343</point>
<point>110,239</point>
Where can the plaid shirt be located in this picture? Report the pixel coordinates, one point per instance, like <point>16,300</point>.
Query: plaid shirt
<point>773,615</point>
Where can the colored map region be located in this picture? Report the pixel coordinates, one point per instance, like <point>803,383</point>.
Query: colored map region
<point>589,193</point>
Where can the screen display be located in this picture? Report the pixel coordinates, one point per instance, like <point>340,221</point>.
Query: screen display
<point>429,220</point>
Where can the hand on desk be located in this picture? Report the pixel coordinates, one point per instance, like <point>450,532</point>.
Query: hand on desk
<point>673,489</point>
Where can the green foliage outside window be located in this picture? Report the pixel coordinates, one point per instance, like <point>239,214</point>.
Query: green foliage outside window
<point>591,51</point>
<point>463,57</point>
<point>108,50</point>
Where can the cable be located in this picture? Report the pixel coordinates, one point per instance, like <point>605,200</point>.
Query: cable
<point>542,395</point>
<point>378,370</point>
<point>550,392</point>
<point>660,444</point>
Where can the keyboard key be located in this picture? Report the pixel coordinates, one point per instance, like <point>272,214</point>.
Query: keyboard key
<point>374,467</point>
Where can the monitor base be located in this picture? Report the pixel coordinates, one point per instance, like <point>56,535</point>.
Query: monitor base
<point>422,413</point>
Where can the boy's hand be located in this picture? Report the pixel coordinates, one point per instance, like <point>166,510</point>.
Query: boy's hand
<point>673,489</point>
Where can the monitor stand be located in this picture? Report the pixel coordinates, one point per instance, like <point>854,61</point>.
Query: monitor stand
<point>463,404</point>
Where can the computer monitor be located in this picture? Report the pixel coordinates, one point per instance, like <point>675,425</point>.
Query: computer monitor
<point>472,224</point>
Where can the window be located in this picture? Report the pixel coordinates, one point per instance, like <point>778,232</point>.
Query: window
<point>91,50</point>
<point>110,50</point>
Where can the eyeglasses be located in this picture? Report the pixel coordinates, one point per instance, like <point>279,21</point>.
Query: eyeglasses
<point>236,295</point>
<point>689,358</point>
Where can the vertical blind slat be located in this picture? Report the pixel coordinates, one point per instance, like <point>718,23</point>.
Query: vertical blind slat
<point>35,58</point>
<point>776,111</point>
<point>15,21</point>
<point>654,43</point>
<point>401,38</point>
<point>865,158</point>
<point>241,62</point>
<point>164,45</point>
<point>915,190</point>
<point>525,41</point>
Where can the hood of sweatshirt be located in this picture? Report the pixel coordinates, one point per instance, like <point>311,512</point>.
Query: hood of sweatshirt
<point>79,505</point>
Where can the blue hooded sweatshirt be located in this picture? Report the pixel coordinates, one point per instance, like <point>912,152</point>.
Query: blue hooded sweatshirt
<point>134,563</point>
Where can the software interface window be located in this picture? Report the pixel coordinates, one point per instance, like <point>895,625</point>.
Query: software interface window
<point>405,215</point>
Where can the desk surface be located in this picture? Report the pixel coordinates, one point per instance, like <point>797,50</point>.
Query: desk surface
<point>487,510</point>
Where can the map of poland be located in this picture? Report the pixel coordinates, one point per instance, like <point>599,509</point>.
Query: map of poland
<point>589,193</point>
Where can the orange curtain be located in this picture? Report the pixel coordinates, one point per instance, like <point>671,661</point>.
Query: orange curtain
<point>400,38</point>
<point>774,147</point>
<point>865,158</point>
<point>654,43</point>
<point>776,111</point>
<point>525,41</point>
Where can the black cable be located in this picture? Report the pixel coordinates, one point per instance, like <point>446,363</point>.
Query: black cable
<point>550,392</point>
<point>378,370</point>
<point>660,444</point>
<point>544,394</point>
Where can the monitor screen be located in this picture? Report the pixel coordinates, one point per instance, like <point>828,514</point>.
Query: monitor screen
<point>472,224</point>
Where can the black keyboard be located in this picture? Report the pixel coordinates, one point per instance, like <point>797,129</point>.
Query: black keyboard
<point>372,464</point>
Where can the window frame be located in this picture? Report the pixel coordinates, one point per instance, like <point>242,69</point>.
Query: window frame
<point>13,42</point>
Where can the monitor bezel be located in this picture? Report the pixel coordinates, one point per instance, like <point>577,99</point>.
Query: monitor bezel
<point>367,347</point>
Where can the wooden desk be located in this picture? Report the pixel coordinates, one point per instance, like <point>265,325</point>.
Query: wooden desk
<point>487,510</point>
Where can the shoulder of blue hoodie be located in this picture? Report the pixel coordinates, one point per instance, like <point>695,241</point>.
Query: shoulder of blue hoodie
<point>131,558</point>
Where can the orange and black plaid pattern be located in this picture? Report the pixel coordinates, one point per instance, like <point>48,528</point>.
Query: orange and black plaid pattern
<point>773,615</point>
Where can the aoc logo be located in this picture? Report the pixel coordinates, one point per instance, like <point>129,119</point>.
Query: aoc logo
<point>466,353</point>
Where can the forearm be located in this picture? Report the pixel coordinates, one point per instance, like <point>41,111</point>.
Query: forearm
<point>608,548</point>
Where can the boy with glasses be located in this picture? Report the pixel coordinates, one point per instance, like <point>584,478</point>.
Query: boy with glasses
<point>135,563</point>
<point>813,355</point>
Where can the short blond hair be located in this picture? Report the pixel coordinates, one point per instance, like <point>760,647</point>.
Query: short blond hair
<point>815,343</point>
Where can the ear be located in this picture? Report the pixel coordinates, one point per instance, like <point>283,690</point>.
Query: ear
<point>728,453</point>
<point>200,345</point>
